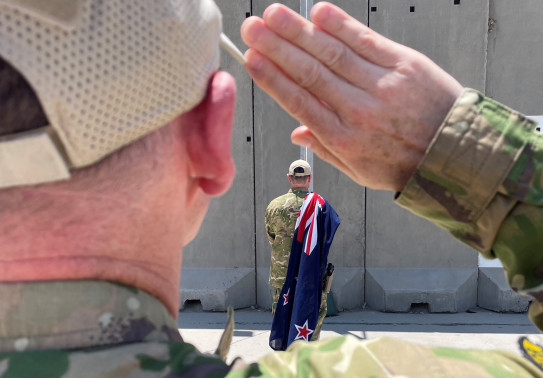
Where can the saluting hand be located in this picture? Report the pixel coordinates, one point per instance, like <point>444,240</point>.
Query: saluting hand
<point>369,106</point>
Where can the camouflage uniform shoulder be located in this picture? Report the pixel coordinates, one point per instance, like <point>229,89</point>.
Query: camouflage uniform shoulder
<point>149,359</point>
<point>94,329</point>
<point>459,184</point>
<point>283,210</point>
<point>481,180</point>
<point>289,199</point>
<point>280,221</point>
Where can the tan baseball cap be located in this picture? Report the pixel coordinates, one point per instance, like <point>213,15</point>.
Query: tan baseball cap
<point>105,72</point>
<point>299,168</point>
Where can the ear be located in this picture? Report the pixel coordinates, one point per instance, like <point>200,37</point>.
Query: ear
<point>207,131</point>
<point>289,179</point>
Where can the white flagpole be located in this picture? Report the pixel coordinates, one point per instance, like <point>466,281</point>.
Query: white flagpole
<point>306,153</point>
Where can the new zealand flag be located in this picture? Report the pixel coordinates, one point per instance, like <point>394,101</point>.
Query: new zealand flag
<point>298,308</point>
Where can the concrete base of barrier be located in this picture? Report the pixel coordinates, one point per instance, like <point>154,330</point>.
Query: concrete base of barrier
<point>348,288</point>
<point>442,289</point>
<point>263,288</point>
<point>495,294</point>
<point>218,288</point>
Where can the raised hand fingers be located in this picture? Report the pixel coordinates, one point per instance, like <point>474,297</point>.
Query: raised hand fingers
<point>361,39</point>
<point>330,51</point>
<point>297,101</point>
<point>303,68</point>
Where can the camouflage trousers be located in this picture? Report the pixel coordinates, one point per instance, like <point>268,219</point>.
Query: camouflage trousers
<point>322,312</point>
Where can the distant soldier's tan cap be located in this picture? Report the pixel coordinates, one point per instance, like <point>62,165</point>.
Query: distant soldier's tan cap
<point>299,168</point>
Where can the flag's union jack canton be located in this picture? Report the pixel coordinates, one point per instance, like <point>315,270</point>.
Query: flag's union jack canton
<point>297,312</point>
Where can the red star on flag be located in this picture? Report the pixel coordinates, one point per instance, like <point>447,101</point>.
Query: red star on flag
<point>303,332</point>
<point>286,297</point>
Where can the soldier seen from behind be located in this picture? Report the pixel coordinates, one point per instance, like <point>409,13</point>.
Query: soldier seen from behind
<point>281,221</point>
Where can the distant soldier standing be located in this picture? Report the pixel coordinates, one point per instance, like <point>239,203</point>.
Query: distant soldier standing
<point>281,216</point>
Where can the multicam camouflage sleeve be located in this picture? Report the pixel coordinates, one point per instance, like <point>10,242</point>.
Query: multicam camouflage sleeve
<point>481,180</point>
<point>280,241</point>
<point>280,219</point>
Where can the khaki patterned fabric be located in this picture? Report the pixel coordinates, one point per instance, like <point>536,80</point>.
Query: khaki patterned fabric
<point>281,215</point>
<point>347,356</point>
<point>482,180</point>
<point>92,329</point>
<point>108,330</point>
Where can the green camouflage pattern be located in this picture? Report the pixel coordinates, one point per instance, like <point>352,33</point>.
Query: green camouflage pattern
<point>78,314</point>
<point>347,356</point>
<point>107,330</point>
<point>93,329</point>
<point>281,215</point>
<point>482,180</point>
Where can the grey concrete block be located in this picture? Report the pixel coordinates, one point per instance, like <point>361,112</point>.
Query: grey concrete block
<point>396,238</point>
<point>226,238</point>
<point>348,288</point>
<point>444,290</point>
<point>349,201</point>
<point>516,30</point>
<point>495,294</point>
<point>454,36</point>
<point>217,288</point>
<point>264,289</point>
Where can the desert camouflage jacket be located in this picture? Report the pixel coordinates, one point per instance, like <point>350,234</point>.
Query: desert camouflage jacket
<point>481,179</point>
<point>280,220</point>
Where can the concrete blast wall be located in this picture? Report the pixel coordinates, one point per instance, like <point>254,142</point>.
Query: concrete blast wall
<point>384,256</point>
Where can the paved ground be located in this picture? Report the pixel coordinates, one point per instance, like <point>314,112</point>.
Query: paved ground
<point>478,329</point>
